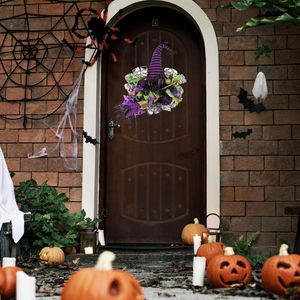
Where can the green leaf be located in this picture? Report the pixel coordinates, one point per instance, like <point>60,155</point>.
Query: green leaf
<point>242,5</point>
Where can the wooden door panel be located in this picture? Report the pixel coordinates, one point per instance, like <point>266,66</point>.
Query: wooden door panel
<point>155,165</point>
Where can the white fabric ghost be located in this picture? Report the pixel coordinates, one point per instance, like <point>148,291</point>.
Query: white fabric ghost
<point>9,211</point>
<point>260,89</point>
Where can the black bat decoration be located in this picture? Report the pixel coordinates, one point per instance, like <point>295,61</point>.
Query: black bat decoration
<point>248,103</point>
<point>242,134</point>
<point>89,139</point>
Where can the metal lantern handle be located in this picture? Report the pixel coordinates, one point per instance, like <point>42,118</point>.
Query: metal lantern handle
<point>214,214</point>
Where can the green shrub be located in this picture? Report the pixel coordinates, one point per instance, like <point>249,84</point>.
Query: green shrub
<point>52,224</point>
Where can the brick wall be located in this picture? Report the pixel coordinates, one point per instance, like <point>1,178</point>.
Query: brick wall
<point>260,175</point>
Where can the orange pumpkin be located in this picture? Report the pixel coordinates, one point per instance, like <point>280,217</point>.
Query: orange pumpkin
<point>228,269</point>
<point>8,281</point>
<point>52,256</point>
<point>281,272</point>
<point>190,230</point>
<point>102,282</point>
<point>210,250</point>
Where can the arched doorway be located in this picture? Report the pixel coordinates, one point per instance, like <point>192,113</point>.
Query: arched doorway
<point>92,106</point>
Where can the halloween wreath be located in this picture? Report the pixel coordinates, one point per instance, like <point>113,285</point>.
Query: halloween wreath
<point>152,89</point>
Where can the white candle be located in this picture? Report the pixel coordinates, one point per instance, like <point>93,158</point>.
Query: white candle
<point>8,262</point>
<point>88,250</point>
<point>25,286</point>
<point>101,237</point>
<point>197,242</point>
<point>199,264</point>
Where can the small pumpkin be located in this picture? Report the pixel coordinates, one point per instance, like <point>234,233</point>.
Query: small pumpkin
<point>192,229</point>
<point>8,281</point>
<point>102,282</point>
<point>52,256</point>
<point>228,269</point>
<point>210,250</point>
<point>281,271</point>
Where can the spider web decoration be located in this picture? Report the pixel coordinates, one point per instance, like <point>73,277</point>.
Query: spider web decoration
<point>35,61</point>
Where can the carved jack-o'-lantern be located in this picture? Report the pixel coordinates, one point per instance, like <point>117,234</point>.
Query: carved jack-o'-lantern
<point>102,282</point>
<point>281,272</point>
<point>228,269</point>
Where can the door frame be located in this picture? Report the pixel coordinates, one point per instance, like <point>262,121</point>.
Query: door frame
<point>92,106</point>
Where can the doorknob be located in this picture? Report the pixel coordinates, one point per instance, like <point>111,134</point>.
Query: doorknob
<point>111,128</point>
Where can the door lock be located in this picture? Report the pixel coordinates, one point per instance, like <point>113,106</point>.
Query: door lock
<point>111,128</point>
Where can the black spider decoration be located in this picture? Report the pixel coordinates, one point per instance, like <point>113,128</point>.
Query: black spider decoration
<point>248,103</point>
<point>101,36</point>
<point>242,134</point>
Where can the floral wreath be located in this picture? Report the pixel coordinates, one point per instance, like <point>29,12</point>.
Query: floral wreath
<point>152,89</point>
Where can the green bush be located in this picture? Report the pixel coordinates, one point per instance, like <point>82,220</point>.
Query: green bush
<point>52,224</point>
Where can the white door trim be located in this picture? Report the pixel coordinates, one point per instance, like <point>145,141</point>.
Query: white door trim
<point>92,106</point>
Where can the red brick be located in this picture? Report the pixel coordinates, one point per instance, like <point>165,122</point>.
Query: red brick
<point>18,150</point>
<point>75,194</point>
<point>272,224</point>
<point>51,9</point>
<point>226,163</point>
<point>264,117</point>
<point>34,164</point>
<point>264,178</point>
<point>69,179</point>
<point>279,193</point>
<point>21,177</point>
<point>263,60</point>
<point>231,117</point>
<point>285,237</point>
<point>263,147</point>
<point>294,101</point>
<point>284,57</point>
<point>16,93</point>
<point>225,133</point>
<point>229,178</point>
<point>17,124</point>
<point>230,88</point>
<point>35,107</point>
<point>233,209</point>
<point>52,149</point>
<point>289,147</point>
<point>277,102</point>
<point>242,43</point>
<point>237,147</point>
<point>249,194</point>
<point>287,117</point>
<point>274,72</point>
<point>265,239</point>
<point>290,178</point>
<point>293,41</point>
<point>294,224</point>
<point>222,42</point>
<point>41,177</point>
<point>279,163</point>
<point>63,190</point>
<point>31,135</point>
<point>248,163</point>
<point>297,193</point>
<point>243,16</point>
<point>260,209</point>
<point>260,30</point>
<point>231,58</point>
<point>224,72</point>
<point>273,41</point>
<point>245,224</point>
<point>242,73</point>
<point>293,72</point>
<point>13,164</point>
<point>277,132</point>
<point>11,108</point>
<point>73,206</point>
<point>256,133</point>
<point>2,123</point>
<point>9,136</point>
<point>65,79</point>
<point>281,206</point>
<point>229,29</point>
<point>211,13</point>
<point>287,87</point>
<point>224,103</point>
<point>227,194</point>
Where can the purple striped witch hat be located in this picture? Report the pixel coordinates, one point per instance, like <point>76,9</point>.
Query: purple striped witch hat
<point>155,70</point>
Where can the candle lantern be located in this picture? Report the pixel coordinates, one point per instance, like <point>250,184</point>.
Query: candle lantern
<point>215,233</point>
<point>88,240</point>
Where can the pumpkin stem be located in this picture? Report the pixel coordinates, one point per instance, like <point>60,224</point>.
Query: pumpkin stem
<point>228,251</point>
<point>283,250</point>
<point>105,260</point>
<point>196,221</point>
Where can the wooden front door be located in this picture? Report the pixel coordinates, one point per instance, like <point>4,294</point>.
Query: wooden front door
<point>154,174</point>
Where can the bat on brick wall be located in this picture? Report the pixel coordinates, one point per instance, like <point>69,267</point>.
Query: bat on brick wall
<point>89,139</point>
<point>242,134</point>
<point>248,103</point>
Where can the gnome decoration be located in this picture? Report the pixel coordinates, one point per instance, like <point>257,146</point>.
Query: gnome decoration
<point>152,89</point>
<point>260,89</point>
